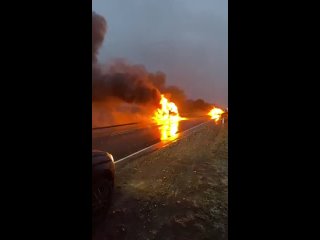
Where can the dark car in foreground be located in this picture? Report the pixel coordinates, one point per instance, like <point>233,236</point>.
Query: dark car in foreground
<point>103,170</point>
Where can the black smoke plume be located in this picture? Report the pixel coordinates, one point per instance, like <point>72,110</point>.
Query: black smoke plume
<point>129,83</point>
<point>123,92</point>
<point>99,29</point>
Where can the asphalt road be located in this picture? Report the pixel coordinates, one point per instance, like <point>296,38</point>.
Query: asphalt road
<point>122,141</point>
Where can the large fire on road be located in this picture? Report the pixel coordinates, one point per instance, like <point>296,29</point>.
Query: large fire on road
<point>215,113</point>
<point>168,118</point>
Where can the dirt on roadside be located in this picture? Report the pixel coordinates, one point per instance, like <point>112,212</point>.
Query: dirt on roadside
<point>178,192</point>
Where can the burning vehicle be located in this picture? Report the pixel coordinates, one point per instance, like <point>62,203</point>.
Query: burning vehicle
<point>103,171</point>
<point>167,117</point>
<point>216,114</point>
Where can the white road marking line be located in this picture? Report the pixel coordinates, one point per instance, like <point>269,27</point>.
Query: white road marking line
<point>144,149</point>
<point>120,160</point>
<point>194,127</point>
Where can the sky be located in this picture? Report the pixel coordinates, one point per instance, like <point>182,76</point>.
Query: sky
<point>185,39</point>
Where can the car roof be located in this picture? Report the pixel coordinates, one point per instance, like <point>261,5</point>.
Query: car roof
<point>100,157</point>
<point>98,153</point>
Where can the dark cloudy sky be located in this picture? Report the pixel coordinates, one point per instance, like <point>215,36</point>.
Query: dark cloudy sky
<point>186,39</point>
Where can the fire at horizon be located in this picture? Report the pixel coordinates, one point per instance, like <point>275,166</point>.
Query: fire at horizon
<point>215,113</point>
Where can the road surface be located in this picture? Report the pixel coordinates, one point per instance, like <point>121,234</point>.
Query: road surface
<point>122,141</point>
<point>179,192</point>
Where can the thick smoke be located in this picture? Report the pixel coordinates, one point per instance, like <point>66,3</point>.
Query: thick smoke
<point>122,92</point>
<point>99,29</point>
<point>129,83</point>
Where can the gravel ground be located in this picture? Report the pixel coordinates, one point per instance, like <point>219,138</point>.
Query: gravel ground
<point>178,192</point>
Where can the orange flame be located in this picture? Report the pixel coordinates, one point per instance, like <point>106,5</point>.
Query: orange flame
<point>168,118</point>
<point>215,113</point>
